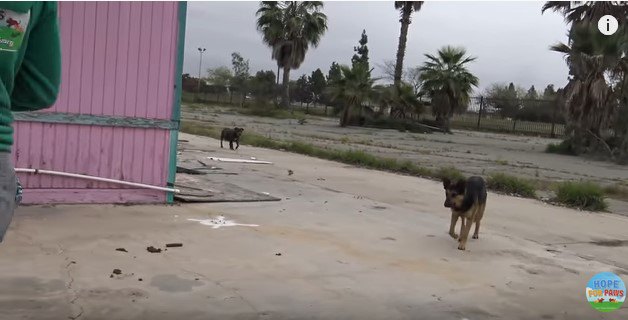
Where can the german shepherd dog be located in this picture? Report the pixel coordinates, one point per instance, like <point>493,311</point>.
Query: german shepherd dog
<point>467,200</point>
<point>231,135</point>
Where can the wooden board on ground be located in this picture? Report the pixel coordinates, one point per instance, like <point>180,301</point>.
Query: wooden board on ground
<point>195,188</point>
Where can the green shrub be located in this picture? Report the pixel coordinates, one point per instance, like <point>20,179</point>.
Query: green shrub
<point>562,148</point>
<point>584,195</point>
<point>450,173</point>
<point>511,185</point>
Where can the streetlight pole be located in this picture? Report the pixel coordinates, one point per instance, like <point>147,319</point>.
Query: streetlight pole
<point>200,64</point>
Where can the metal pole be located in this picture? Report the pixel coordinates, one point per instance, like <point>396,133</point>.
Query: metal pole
<point>553,134</point>
<point>480,112</point>
<point>200,64</point>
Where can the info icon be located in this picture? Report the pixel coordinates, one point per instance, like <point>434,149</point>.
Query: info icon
<point>608,25</point>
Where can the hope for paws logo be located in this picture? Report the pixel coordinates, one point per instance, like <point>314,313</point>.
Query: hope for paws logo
<point>606,292</point>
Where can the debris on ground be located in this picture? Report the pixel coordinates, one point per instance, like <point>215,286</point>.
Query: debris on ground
<point>117,271</point>
<point>196,279</point>
<point>278,254</point>
<point>189,171</point>
<point>152,249</point>
<point>140,279</point>
<point>121,249</point>
<point>173,245</point>
<point>302,121</point>
<point>220,221</point>
<point>290,172</point>
<point>110,276</point>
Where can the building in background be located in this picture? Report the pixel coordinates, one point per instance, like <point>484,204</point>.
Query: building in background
<point>117,115</point>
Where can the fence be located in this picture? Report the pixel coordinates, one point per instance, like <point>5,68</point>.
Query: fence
<point>522,116</point>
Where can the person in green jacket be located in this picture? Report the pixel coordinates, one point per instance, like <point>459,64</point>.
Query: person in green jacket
<point>30,74</point>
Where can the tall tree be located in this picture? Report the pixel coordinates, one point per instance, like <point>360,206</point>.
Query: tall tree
<point>532,94</point>
<point>448,82</point>
<point>317,84</point>
<point>388,69</point>
<point>406,8</point>
<point>334,75</point>
<point>240,68</point>
<point>220,78</point>
<point>549,92</point>
<point>289,28</point>
<point>361,52</point>
<point>303,90</point>
<point>505,98</point>
<point>413,77</point>
<point>263,87</point>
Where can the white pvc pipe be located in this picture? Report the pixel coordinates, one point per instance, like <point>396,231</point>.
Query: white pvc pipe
<point>82,176</point>
<point>238,160</point>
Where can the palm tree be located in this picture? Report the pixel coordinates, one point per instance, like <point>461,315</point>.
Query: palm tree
<point>447,82</point>
<point>355,87</point>
<point>577,12</point>
<point>289,28</point>
<point>406,8</point>
<point>402,100</point>
<point>589,100</point>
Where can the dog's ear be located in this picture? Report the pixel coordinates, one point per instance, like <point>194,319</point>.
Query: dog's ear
<point>446,182</point>
<point>461,186</point>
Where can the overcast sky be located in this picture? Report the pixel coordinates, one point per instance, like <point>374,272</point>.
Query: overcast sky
<point>509,39</point>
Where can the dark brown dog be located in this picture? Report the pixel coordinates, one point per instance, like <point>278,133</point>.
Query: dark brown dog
<point>467,200</point>
<point>231,135</point>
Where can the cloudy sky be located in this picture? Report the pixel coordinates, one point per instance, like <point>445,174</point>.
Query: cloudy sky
<point>509,39</point>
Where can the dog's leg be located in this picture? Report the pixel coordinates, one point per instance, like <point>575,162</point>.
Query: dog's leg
<point>478,218</point>
<point>464,234</point>
<point>477,230</point>
<point>231,145</point>
<point>221,142</point>
<point>463,222</point>
<point>237,144</point>
<point>452,226</point>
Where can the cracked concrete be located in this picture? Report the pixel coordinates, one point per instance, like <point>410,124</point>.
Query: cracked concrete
<point>374,248</point>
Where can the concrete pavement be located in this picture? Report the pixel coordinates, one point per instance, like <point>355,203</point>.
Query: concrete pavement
<point>344,243</point>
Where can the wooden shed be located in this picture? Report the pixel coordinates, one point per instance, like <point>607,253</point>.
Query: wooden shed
<point>117,115</point>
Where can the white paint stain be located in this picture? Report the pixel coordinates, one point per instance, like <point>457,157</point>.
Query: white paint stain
<point>220,221</point>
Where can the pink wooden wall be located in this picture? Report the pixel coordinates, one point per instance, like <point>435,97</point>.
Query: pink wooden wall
<point>118,59</point>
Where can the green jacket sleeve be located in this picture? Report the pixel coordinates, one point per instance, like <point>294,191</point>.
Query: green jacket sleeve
<point>38,79</point>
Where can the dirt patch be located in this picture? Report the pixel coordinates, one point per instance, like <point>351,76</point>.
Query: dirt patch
<point>610,243</point>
